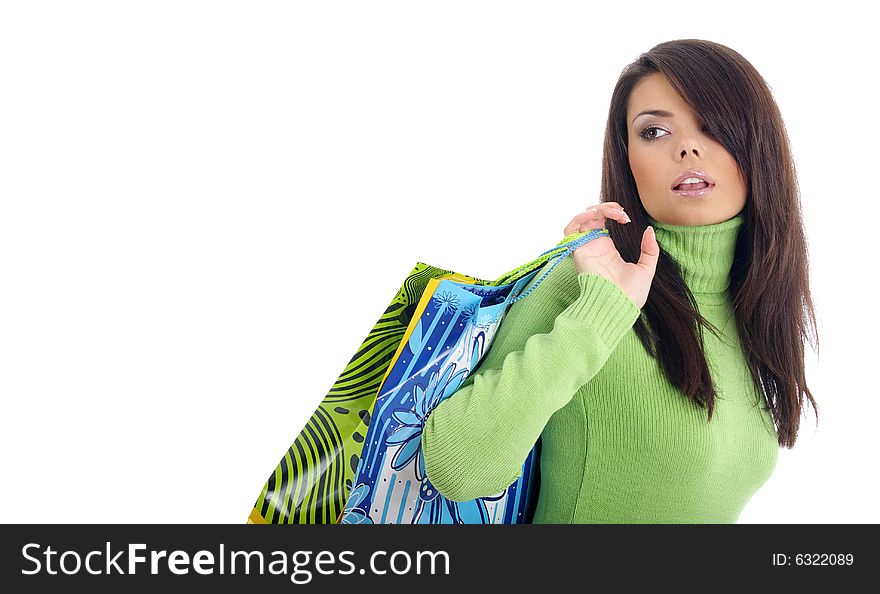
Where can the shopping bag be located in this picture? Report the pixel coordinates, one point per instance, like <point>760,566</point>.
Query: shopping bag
<point>397,369</point>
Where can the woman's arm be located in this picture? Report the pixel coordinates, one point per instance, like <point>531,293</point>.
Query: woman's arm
<point>551,343</point>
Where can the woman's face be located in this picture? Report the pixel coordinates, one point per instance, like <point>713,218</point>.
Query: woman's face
<point>662,146</point>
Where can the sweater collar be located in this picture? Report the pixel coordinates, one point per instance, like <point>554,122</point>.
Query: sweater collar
<point>704,253</point>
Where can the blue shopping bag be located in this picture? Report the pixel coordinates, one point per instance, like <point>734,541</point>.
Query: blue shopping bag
<point>451,331</point>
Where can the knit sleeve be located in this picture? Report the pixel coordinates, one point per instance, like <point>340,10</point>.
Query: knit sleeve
<point>548,345</point>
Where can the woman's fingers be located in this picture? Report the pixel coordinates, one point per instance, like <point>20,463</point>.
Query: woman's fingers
<point>594,217</point>
<point>650,251</point>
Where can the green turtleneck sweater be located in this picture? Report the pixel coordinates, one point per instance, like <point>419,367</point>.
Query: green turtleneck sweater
<point>619,443</point>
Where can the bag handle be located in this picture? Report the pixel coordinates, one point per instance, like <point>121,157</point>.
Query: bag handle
<point>568,244</point>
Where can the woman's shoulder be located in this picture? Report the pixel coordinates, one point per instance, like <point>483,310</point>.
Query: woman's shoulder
<point>560,283</point>
<point>536,312</point>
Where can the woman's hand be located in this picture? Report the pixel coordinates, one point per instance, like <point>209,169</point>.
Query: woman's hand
<point>600,256</point>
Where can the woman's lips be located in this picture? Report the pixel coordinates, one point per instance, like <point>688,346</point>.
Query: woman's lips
<point>699,189</point>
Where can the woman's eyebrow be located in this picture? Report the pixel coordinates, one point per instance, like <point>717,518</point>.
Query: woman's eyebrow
<point>657,112</point>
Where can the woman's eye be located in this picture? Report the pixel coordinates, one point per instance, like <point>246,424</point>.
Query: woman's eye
<point>648,137</point>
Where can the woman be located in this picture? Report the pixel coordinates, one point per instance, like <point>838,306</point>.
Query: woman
<point>642,416</point>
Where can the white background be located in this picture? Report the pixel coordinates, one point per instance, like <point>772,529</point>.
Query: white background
<point>207,205</point>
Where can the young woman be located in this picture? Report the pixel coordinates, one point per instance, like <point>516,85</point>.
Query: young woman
<point>661,367</point>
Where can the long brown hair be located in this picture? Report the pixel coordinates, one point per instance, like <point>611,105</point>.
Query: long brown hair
<point>769,282</point>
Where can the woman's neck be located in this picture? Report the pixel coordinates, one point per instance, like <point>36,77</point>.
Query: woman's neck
<point>704,253</point>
